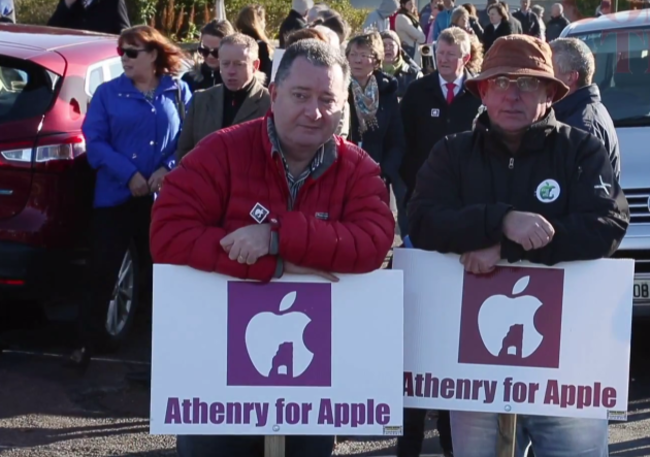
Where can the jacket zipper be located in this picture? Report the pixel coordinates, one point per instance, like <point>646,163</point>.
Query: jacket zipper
<point>511,178</point>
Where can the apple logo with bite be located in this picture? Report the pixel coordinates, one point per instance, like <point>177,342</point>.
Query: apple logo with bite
<point>512,316</point>
<point>279,334</point>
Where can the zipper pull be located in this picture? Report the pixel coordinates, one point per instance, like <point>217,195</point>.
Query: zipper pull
<point>511,163</point>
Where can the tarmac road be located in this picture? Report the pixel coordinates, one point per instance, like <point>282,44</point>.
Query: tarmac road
<point>49,411</point>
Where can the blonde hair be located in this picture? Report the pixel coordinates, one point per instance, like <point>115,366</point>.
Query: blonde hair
<point>372,41</point>
<point>475,61</point>
<point>250,21</point>
<point>456,35</point>
<point>459,13</point>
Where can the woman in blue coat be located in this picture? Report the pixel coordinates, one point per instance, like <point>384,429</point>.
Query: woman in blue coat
<point>131,129</point>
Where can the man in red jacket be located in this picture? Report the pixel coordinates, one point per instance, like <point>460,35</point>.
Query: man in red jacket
<point>277,195</point>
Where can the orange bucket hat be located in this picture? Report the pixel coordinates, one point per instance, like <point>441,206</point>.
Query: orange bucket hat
<point>518,55</point>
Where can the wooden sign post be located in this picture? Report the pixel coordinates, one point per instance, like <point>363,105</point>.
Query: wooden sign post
<point>274,446</point>
<point>507,435</point>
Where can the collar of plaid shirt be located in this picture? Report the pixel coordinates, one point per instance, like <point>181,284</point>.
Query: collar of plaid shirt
<point>325,156</point>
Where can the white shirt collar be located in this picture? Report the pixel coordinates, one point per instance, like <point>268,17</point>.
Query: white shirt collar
<point>458,84</point>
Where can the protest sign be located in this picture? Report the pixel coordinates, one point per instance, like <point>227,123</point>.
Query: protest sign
<point>299,355</point>
<point>525,339</point>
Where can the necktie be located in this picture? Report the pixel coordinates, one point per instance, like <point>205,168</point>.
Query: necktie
<point>450,92</point>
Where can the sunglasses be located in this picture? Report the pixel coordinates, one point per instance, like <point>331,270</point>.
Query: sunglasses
<point>524,83</point>
<point>205,52</point>
<point>131,53</point>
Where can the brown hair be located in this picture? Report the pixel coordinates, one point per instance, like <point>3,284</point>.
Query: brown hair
<point>250,22</point>
<point>500,9</point>
<point>170,56</point>
<point>373,42</point>
<point>304,34</point>
<point>239,39</point>
<point>471,9</point>
<point>218,28</point>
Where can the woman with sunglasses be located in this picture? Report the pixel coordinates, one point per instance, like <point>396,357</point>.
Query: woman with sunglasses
<point>205,73</point>
<point>251,21</point>
<point>131,130</point>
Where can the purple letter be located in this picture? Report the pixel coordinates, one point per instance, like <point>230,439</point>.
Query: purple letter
<point>173,414</point>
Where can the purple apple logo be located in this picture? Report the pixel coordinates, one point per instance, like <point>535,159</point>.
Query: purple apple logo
<point>499,316</point>
<point>279,334</point>
<point>512,316</point>
<point>282,328</point>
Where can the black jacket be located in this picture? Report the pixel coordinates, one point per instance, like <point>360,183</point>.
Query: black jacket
<point>427,118</point>
<point>469,183</point>
<point>529,23</point>
<point>406,74</point>
<point>385,144</point>
<point>103,16</point>
<point>583,109</point>
<point>294,21</point>
<point>490,35</point>
<point>555,26</point>
<point>202,77</point>
<point>476,28</point>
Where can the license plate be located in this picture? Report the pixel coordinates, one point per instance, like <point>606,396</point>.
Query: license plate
<point>642,289</point>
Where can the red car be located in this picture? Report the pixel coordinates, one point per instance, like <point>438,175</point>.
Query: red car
<point>47,78</point>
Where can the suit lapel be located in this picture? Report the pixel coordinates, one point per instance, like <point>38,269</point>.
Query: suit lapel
<point>214,109</point>
<point>250,105</point>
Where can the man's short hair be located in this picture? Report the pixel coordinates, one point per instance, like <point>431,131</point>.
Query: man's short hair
<point>240,39</point>
<point>456,35</point>
<point>572,54</point>
<point>218,28</point>
<point>559,6</point>
<point>317,53</point>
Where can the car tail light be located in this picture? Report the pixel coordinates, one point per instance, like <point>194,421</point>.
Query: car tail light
<point>50,152</point>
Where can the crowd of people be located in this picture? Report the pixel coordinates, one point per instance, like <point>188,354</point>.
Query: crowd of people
<point>259,162</point>
<point>485,26</point>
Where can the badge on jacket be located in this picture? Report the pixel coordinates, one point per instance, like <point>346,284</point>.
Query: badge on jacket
<point>435,112</point>
<point>548,191</point>
<point>259,213</point>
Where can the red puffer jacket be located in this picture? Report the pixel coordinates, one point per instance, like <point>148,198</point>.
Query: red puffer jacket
<point>341,221</point>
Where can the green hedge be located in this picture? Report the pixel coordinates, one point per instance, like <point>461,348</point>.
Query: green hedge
<point>181,19</point>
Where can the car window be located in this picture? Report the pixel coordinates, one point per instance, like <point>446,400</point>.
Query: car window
<point>115,69</point>
<point>95,78</point>
<point>26,89</point>
<point>622,72</point>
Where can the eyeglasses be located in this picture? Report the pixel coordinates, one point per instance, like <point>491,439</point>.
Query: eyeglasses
<point>524,83</point>
<point>131,53</point>
<point>205,52</point>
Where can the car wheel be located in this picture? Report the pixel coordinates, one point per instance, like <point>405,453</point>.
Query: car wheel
<point>124,300</point>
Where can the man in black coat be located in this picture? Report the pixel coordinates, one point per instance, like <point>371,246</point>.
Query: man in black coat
<point>429,112</point>
<point>557,23</point>
<point>529,20</point>
<point>520,186</point>
<point>103,16</point>
<point>434,106</point>
<point>574,65</point>
<point>296,19</point>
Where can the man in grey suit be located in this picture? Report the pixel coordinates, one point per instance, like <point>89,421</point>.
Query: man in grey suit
<point>242,96</point>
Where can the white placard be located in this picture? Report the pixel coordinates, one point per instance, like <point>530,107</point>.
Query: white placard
<point>525,339</point>
<point>295,356</point>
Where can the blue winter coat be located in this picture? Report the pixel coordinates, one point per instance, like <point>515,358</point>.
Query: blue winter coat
<point>125,134</point>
